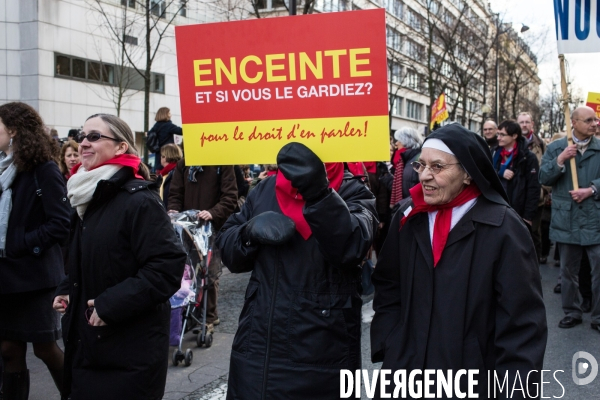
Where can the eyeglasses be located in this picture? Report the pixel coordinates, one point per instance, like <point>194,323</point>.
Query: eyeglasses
<point>589,121</point>
<point>435,168</point>
<point>93,137</point>
<point>503,134</point>
<point>88,313</point>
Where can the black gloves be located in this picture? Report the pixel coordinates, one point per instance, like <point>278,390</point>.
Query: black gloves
<point>268,228</point>
<point>305,170</point>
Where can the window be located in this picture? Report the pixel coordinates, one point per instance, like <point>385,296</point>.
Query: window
<point>108,74</point>
<point>413,81</point>
<point>63,65</point>
<point>158,83</point>
<point>183,8</point>
<point>394,39</point>
<point>395,71</point>
<point>413,110</point>
<point>446,69</point>
<point>448,18</point>
<point>158,8</point>
<point>397,106</point>
<point>78,68</point>
<point>434,7</point>
<point>414,50</point>
<point>329,5</point>
<point>395,7</point>
<point>473,126</point>
<point>93,71</point>
<point>104,73</point>
<point>130,40</point>
<point>413,19</point>
<point>128,3</point>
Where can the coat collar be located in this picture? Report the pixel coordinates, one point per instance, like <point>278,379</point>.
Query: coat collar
<point>484,211</point>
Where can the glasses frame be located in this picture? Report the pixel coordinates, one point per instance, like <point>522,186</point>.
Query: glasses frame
<point>589,121</point>
<point>81,137</point>
<point>420,167</point>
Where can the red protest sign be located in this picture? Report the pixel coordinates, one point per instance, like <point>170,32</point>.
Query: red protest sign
<point>249,87</point>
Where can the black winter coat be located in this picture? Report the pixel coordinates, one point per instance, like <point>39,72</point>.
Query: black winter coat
<point>523,189</point>
<point>125,255</point>
<point>480,308</point>
<point>300,323</point>
<point>36,228</point>
<point>164,131</point>
<point>410,177</point>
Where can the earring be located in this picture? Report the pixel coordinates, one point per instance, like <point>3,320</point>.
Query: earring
<point>10,142</point>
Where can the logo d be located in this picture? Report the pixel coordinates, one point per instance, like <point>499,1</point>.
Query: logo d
<point>583,367</point>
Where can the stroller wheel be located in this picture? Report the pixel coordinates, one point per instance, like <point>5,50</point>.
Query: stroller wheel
<point>189,356</point>
<point>199,341</point>
<point>177,355</point>
<point>209,339</point>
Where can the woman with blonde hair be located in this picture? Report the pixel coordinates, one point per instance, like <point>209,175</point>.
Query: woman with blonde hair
<point>164,130</point>
<point>69,158</point>
<point>124,264</point>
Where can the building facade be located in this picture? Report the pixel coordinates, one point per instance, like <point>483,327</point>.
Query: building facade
<point>64,57</point>
<point>74,58</point>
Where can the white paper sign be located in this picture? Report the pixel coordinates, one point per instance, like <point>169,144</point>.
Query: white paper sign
<point>178,139</point>
<point>577,26</point>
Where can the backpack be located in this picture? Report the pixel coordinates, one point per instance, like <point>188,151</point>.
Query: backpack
<point>152,142</point>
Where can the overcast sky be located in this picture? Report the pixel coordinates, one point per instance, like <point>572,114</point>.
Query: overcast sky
<point>584,69</point>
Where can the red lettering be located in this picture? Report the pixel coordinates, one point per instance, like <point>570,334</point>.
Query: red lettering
<point>212,138</point>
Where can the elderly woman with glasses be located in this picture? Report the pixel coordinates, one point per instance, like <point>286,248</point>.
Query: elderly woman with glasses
<point>124,264</point>
<point>457,285</point>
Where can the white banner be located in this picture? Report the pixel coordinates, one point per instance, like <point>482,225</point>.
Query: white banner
<point>577,26</point>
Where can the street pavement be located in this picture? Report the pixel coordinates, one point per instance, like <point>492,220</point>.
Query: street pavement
<point>206,378</point>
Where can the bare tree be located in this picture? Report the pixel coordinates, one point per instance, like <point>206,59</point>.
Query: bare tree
<point>518,70</point>
<point>117,72</point>
<point>150,20</point>
<point>442,30</point>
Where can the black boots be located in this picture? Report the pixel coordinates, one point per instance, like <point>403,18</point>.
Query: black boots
<point>15,386</point>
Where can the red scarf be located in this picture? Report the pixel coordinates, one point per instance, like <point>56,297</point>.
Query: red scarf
<point>170,166</point>
<point>356,168</point>
<point>397,182</point>
<point>126,160</point>
<point>504,154</point>
<point>271,173</point>
<point>443,218</point>
<point>292,203</point>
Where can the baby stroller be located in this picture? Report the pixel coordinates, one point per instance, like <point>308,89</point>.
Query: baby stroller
<point>195,236</point>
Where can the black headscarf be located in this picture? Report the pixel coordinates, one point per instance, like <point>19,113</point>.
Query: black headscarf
<point>473,153</point>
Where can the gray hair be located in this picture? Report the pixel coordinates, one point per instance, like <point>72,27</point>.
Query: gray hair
<point>409,137</point>
<point>120,130</point>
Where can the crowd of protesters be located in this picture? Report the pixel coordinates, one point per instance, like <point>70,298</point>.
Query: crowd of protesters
<point>459,223</point>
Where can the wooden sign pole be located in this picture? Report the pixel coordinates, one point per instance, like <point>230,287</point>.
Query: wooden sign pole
<point>565,93</point>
